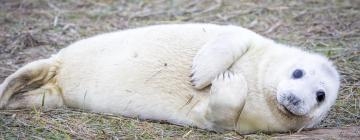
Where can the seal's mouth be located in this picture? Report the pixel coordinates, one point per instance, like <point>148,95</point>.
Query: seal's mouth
<point>284,109</point>
<point>288,111</point>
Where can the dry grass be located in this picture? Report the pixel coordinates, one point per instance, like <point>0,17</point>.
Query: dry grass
<point>33,29</point>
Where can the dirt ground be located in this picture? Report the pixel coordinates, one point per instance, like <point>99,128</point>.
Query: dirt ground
<point>35,29</point>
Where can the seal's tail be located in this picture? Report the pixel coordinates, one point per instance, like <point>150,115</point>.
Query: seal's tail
<point>32,85</point>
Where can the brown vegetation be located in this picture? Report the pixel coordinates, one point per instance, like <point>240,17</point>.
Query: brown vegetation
<point>34,29</point>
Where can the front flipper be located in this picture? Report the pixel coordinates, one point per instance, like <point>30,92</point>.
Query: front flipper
<point>227,99</point>
<point>218,55</point>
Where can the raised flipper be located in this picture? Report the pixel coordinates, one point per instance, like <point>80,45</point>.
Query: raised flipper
<point>28,81</point>
<point>227,99</point>
<point>218,55</point>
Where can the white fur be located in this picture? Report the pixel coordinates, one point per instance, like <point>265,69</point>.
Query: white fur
<point>144,73</point>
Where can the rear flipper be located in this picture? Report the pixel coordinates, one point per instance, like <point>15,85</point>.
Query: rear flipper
<point>33,84</point>
<point>226,101</point>
<point>47,96</point>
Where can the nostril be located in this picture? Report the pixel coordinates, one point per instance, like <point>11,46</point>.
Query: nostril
<point>296,102</point>
<point>293,99</point>
<point>320,96</point>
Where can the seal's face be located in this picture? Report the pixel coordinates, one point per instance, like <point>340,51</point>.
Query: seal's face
<point>309,88</point>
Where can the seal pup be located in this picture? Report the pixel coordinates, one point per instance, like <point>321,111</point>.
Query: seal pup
<point>239,80</point>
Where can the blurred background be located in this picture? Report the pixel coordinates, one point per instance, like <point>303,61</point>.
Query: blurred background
<point>35,29</point>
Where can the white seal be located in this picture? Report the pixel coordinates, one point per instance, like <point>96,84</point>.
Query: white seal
<point>209,76</point>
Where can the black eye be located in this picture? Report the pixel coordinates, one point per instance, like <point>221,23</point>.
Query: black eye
<point>320,96</point>
<point>298,73</point>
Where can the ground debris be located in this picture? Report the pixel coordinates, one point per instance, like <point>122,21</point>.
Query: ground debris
<point>35,29</point>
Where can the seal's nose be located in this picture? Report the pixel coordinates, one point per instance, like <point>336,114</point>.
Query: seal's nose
<point>293,99</point>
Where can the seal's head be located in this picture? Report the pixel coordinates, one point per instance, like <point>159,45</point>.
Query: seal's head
<point>308,88</point>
